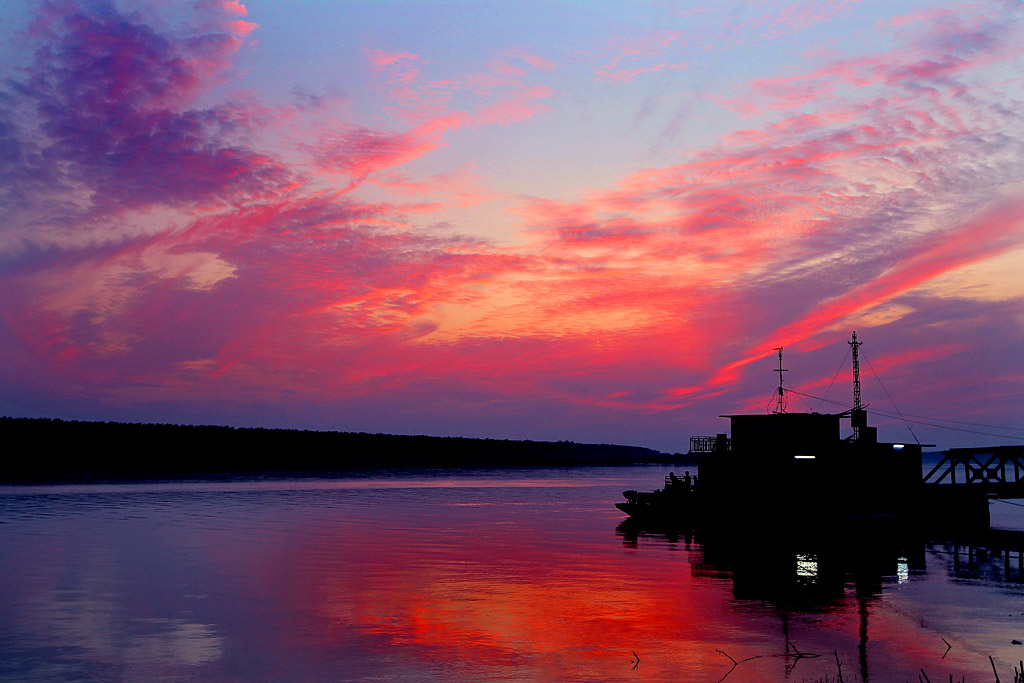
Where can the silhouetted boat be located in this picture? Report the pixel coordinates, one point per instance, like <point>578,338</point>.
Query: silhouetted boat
<point>675,503</point>
<point>790,468</point>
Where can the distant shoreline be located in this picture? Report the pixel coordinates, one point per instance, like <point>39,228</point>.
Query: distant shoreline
<point>67,451</point>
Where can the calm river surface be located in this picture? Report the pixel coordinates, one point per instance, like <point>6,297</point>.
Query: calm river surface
<point>471,576</point>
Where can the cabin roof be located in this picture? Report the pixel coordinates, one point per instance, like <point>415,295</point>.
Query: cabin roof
<point>778,414</point>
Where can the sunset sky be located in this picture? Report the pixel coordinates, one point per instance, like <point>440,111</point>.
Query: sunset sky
<point>544,220</point>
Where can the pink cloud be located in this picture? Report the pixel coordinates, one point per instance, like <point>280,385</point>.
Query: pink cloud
<point>241,28</point>
<point>998,229</point>
<point>504,70</point>
<point>794,190</point>
<point>402,71</point>
<point>798,16</point>
<point>642,48</point>
<point>360,152</point>
<point>325,280</point>
<point>943,46</point>
<point>534,60</point>
<point>464,186</point>
<point>195,263</point>
<point>501,95</point>
<point>520,106</point>
<point>626,75</point>
<point>114,116</point>
<point>382,58</point>
<point>234,7</point>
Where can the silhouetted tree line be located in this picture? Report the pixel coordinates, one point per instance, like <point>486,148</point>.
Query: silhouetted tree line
<point>59,450</point>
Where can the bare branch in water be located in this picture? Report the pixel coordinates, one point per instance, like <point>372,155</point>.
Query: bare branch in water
<point>839,665</point>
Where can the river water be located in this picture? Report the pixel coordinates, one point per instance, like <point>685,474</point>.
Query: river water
<point>504,575</point>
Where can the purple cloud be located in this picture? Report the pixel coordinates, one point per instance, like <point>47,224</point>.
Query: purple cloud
<point>105,115</point>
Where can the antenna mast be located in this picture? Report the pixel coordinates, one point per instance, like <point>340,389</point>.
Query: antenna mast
<point>856,371</point>
<point>781,403</point>
<point>858,418</point>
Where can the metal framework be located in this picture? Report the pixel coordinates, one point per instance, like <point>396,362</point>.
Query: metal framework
<point>856,422</point>
<point>999,469</point>
<point>856,371</point>
<point>782,404</point>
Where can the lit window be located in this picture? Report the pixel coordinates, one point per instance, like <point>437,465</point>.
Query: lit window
<point>806,566</point>
<point>902,570</point>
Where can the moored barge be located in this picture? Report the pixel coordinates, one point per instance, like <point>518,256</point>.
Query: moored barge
<point>791,467</point>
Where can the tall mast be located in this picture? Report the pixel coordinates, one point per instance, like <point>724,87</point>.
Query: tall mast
<point>858,418</point>
<point>781,404</point>
<point>856,371</point>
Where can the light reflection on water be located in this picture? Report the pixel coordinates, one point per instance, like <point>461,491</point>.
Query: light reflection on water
<point>464,577</point>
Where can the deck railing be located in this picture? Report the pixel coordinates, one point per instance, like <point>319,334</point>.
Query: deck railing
<point>710,444</point>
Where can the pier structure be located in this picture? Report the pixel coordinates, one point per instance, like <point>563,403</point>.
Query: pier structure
<point>956,492</point>
<point>999,470</point>
<point>996,552</point>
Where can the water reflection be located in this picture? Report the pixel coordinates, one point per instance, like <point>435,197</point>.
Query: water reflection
<point>476,578</point>
<point>788,569</point>
<point>797,575</point>
<point>809,570</point>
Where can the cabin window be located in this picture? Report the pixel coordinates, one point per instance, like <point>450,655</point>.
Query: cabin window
<point>806,566</point>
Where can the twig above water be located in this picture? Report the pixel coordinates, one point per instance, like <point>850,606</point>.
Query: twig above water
<point>731,669</point>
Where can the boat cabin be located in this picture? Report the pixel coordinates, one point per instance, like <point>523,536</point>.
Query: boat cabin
<point>801,462</point>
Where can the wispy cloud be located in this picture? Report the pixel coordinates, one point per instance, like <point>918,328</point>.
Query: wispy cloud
<point>166,237</point>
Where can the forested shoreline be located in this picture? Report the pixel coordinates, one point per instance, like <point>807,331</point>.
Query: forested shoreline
<point>44,449</point>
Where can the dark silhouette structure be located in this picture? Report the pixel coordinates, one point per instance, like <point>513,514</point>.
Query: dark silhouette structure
<point>81,451</point>
<point>797,468</point>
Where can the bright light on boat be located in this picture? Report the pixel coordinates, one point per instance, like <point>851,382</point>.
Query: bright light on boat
<point>897,447</point>
<point>807,566</point>
<point>803,457</point>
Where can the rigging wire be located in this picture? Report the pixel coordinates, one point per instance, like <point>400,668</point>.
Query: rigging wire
<point>921,419</point>
<point>955,429</point>
<point>838,370</point>
<point>773,400</point>
<point>962,422</point>
<point>924,421</point>
<point>806,404</point>
<point>821,398</point>
<point>911,429</point>
<point>928,421</point>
